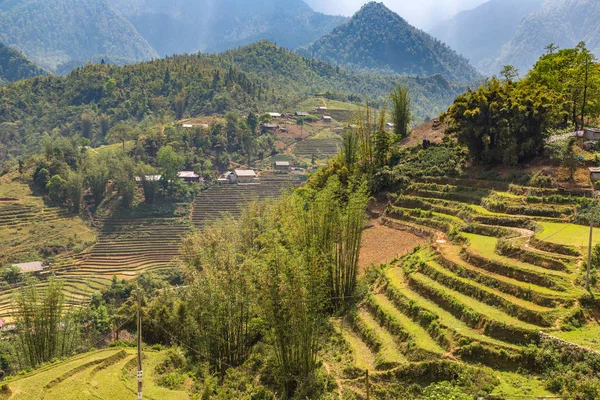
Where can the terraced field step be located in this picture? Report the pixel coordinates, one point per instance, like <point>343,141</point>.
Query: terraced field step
<point>397,281</point>
<point>489,312</point>
<point>389,354</point>
<point>450,259</point>
<point>362,354</point>
<point>523,310</point>
<point>419,335</point>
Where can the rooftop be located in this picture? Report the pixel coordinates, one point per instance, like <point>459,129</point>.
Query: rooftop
<point>246,173</point>
<point>187,174</point>
<point>35,266</point>
<point>282,163</point>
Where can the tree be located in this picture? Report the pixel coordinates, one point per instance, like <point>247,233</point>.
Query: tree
<point>401,115</point>
<point>57,189</point>
<point>500,123</point>
<point>104,125</point>
<point>252,122</point>
<point>96,177</point>
<point>551,48</point>
<point>569,158</point>
<point>149,184</point>
<point>509,73</point>
<point>87,123</point>
<point>170,163</point>
<point>41,177</point>
<point>300,123</point>
<point>75,189</point>
<point>45,330</point>
<point>121,133</point>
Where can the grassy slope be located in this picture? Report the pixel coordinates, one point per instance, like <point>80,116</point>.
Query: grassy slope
<point>115,382</point>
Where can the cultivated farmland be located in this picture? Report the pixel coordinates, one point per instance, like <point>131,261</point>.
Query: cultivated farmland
<point>502,271</point>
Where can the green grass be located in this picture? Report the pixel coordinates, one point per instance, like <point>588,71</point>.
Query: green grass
<point>362,355</point>
<point>389,352</point>
<point>314,102</point>
<point>513,385</point>
<point>111,383</point>
<point>483,288</point>
<point>481,308</point>
<point>588,336</point>
<point>417,333</point>
<point>568,234</point>
<point>396,278</point>
<point>486,245</point>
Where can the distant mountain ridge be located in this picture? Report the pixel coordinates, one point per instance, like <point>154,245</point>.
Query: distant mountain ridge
<point>61,34</point>
<point>15,66</point>
<point>563,22</point>
<point>377,39</point>
<point>188,26</point>
<point>479,33</point>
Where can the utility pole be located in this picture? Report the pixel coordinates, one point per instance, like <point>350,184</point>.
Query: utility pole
<point>139,342</point>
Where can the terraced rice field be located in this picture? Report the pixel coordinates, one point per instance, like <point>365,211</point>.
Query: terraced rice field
<point>326,147</point>
<point>107,374</point>
<point>229,200</point>
<point>496,273</point>
<point>28,231</point>
<point>125,247</point>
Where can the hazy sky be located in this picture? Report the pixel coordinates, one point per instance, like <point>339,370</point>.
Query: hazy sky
<point>421,13</point>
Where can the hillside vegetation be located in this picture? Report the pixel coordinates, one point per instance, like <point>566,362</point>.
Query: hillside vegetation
<point>214,26</point>
<point>377,39</point>
<point>15,66</point>
<point>63,34</point>
<point>257,77</point>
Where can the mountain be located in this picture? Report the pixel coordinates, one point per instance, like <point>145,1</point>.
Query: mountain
<point>481,32</point>
<point>377,39</point>
<point>260,77</point>
<point>563,22</point>
<point>61,34</point>
<point>188,26</point>
<point>15,66</point>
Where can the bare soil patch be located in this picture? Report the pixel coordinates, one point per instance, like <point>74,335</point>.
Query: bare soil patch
<point>381,244</point>
<point>425,131</point>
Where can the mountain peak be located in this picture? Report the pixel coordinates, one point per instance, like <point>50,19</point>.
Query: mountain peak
<point>377,39</point>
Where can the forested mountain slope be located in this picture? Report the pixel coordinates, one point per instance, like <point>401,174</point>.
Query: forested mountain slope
<point>481,32</point>
<point>62,34</point>
<point>188,26</point>
<point>15,66</point>
<point>257,77</point>
<point>562,22</point>
<point>378,39</point>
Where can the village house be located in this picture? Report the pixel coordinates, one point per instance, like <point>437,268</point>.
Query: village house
<point>189,176</point>
<point>270,127</point>
<point>224,177</point>
<point>301,114</point>
<point>326,118</point>
<point>243,176</point>
<point>283,166</point>
<point>148,178</point>
<point>594,174</point>
<point>274,115</point>
<point>33,267</point>
<point>321,109</point>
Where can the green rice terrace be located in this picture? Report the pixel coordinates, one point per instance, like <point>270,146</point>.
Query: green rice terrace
<point>104,374</point>
<point>122,245</point>
<point>504,270</point>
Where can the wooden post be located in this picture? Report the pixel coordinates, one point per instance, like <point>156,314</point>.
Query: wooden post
<point>589,263</point>
<point>139,343</point>
<point>367,381</point>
